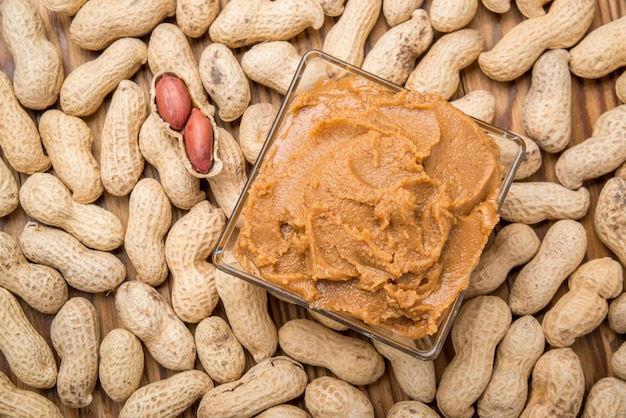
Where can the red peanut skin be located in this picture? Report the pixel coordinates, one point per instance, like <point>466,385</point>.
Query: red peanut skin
<point>198,138</point>
<point>173,101</point>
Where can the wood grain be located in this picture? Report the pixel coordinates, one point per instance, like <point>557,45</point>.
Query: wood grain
<point>590,99</point>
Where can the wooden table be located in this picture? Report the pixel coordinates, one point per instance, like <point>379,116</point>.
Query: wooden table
<point>591,99</point>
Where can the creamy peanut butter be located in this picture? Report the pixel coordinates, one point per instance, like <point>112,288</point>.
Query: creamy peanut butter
<point>373,203</point>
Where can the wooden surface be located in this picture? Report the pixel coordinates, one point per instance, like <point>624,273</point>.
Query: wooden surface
<point>590,99</point>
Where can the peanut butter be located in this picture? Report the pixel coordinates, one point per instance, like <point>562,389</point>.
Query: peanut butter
<point>373,203</point>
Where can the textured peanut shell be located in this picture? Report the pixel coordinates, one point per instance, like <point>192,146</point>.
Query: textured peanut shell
<point>99,23</point>
<point>617,314</point>
<point>557,385</point>
<point>497,6</point>
<point>195,16</point>
<point>254,127</point>
<point>68,141</point>
<point>449,16</point>
<point>19,137</point>
<point>415,377</point>
<point>394,54</point>
<point>22,403</point>
<point>562,250</point>
<point>480,104</point>
<point>327,397</point>
<point>411,409</point>
<point>188,246</point>
<point>546,113</point>
<point>601,51</point>
<point>40,286</point>
<point>346,38</point>
<point>620,87</point>
<point>219,351</point>
<point>618,362</point>
<point>438,72</point>
<point>284,411</point>
<point>38,67</point>
<point>228,184</point>
<point>224,81</point>
<point>169,397</point>
<point>351,359</point>
<point>121,162</point>
<point>83,268</point>
<point>75,334</point>
<point>515,53</point>
<point>516,355</point>
<point>64,7</point>
<point>531,160</point>
<point>146,314</point>
<point>597,155</point>
<point>44,197</point>
<point>332,8</point>
<point>533,202</point>
<point>606,399</point>
<point>480,325</point>
<point>8,190</point>
<point>270,382</point>
<point>149,219</point>
<point>327,321</point>
<point>85,88</point>
<point>246,22</point>
<point>246,309</point>
<point>398,11</point>
<point>161,150</point>
<point>121,364</point>
<point>272,64</point>
<point>27,353</point>
<point>532,8</point>
<point>583,308</point>
<point>515,244</point>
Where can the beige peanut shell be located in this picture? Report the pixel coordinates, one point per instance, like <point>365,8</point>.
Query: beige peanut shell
<point>532,8</point>
<point>531,160</point>
<point>146,314</point>
<point>121,162</point>
<point>618,362</point>
<point>194,17</point>
<point>21,403</point>
<point>398,11</point>
<point>353,360</point>
<point>601,51</point>
<point>562,250</point>
<point>85,88</point>
<point>270,382</point>
<point>515,53</point>
<point>480,325</point>
<point>617,314</point>
<point>327,321</point>
<point>64,7</point>
<point>188,246</point>
<point>597,155</point>
<point>620,87</point>
<point>27,353</point>
<point>19,137</point>
<point>224,80</point>
<point>438,72</point>
<point>254,127</point>
<point>533,202</point>
<point>480,104</point>
<point>149,219</point>
<point>497,6</point>
<point>394,54</point>
<point>162,151</point>
<point>169,397</point>
<point>219,351</point>
<point>284,411</point>
<point>557,385</point>
<point>606,399</point>
<point>75,334</point>
<point>546,113</point>
<point>332,8</point>
<point>409,409</point>
<point>38,66</point>
<point>271,64</point>
<point>8,190</point>
<point>83,268</point>
<point>450,16</point>
<point>44,197</point>
<point>246,22</point>
<point>68,141</point>
<point>245,305</point>
<point>41,287</point>
<point>346,38</point>
<point>327,397</point>
<point>99,23</point>
<point>121,364</point>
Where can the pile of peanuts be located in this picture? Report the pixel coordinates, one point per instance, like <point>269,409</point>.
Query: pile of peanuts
<point>127,130</point>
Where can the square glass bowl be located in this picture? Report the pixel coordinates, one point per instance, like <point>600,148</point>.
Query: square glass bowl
<point>314,66</point>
